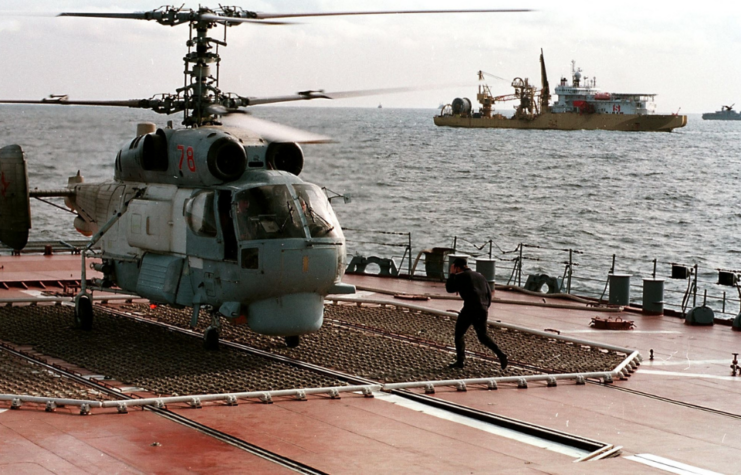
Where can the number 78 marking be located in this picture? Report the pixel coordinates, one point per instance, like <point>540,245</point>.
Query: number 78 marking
<point>190,156</point>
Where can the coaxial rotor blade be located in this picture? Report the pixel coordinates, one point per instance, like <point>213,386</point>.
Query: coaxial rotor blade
<point>165,105</point>
<point>390,12</point>
<point>173,16</point>
<point>123,16</point>
<point>321,94</point>
<point>228,19</point>
<point>270,131</point>
<point>126,103</point>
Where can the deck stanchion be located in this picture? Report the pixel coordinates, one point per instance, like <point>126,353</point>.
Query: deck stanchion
<point>519,268</point>
<point>409,259</point>
<point>571,263</point>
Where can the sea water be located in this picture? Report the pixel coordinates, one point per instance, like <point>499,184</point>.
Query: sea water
<point>669,197</point>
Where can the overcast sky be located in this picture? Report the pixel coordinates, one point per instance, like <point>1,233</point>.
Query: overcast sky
<point>689,53</point>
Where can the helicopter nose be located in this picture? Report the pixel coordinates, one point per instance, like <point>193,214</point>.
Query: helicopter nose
<point>287,315</point>
<point>313,269</point>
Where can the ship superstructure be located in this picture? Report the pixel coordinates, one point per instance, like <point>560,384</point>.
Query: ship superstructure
<point>583,96</point>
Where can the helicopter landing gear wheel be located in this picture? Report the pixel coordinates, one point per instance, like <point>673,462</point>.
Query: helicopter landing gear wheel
<point>211,339</point>
<point>292,341</point>
<point>84,312</point>
<point>211,335</point>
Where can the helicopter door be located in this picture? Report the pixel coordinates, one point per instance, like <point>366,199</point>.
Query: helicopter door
<point>202,233</point>
<point>227,225</point>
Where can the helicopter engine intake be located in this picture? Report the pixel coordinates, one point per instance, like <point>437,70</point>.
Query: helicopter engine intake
<point>287,157</point>
<point>226,159</point>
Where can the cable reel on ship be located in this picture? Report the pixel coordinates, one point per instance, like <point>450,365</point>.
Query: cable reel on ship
<point>461,106</point>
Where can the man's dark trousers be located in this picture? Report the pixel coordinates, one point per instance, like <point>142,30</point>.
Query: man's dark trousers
<point>478,320</point>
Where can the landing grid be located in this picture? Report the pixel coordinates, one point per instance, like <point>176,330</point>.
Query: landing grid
<point>365,346</point>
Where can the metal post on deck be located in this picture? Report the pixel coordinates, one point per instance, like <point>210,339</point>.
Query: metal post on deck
<point>519,268</point>
<point>490,243</point>
<point>409,260</point>
<point>568,285</point>
<point>612,269</point>
<point>455,243</point>
<point>694,292</point>
<point>654,273</point>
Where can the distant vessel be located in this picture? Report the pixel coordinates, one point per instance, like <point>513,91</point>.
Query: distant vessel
<point>725,113</point>
<point>580,106</point>
<point>380,106</point>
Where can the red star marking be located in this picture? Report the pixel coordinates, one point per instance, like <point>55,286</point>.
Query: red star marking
<point>4,184</point>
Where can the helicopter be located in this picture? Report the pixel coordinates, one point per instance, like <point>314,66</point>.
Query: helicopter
<point>211,215</point>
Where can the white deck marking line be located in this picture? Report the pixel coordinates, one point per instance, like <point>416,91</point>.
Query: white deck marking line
<point>689,375</point>
<point>34,293</point>
<point>627,331</point>
<point>684,363</point>
<point>2,410</point>
<point>670,465</point>
<point>485,426</point>
<point>357,295</point>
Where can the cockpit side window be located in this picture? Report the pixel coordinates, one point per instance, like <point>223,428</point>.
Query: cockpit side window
<point>319,214</point>
<point>267,212</point>
<point>199,214</point>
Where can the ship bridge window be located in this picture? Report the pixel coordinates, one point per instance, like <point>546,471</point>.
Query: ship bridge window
<point>267,212</point>
<point>199,214</point>
<point>319,214</point>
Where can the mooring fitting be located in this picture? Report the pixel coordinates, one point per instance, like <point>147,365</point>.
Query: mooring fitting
<point>734,365</point>
<point>651,354</point>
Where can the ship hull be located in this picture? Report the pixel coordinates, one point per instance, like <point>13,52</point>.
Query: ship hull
<point>716,116</point>
<point>569,121</point>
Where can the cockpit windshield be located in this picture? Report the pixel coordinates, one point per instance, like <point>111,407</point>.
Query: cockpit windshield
<point>319,215</point>
<point>267,212</point>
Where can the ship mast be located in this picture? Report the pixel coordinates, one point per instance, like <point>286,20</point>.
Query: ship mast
<point>545,92</point>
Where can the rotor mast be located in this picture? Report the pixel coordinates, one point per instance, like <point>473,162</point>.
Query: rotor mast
<point>200,89</point>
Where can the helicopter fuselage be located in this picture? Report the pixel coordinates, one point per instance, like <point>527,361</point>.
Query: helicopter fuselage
<point>262,249</point>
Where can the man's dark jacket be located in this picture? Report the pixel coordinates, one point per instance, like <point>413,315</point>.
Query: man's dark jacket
<point>473,289</point>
